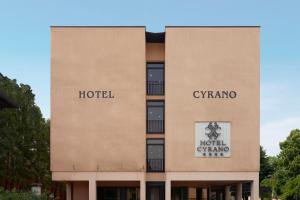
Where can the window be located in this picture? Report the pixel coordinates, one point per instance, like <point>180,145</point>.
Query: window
<point>155,116</point>
<point>155,79</point>
<point>155,155</point>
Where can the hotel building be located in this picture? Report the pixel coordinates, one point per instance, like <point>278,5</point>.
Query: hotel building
<point>154,116</point>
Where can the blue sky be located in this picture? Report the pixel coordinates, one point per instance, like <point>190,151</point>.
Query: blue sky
<point>25,39</point>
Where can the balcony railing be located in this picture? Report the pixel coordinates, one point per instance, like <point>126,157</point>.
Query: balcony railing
<point>155,88</point>
<point>155,126</point>
<point>155,165</point>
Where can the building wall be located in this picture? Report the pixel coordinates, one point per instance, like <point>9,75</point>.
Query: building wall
<point>105,134</point>
<point>109,134</point>
<point>212,58</point>
<point>155,52</point>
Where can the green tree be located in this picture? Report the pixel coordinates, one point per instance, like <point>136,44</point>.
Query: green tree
<point>289,156</point>
<point>291,190</point>
<point>265,166</point>
<point>17,195</point>
<point>266,170</point>
<point>24,139</point>
<point>285,180</point>
<point>287,176</point>
<point>266,189</point>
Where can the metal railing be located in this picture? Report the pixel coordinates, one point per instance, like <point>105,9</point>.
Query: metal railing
<point>155,88</point>
<point>155,126</point>
<point>155,165</point>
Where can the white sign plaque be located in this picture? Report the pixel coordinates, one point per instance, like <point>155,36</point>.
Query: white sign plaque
<point>212,139</point>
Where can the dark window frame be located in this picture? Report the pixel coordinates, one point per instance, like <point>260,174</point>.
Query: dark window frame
<point>163,68</point>
<point>147,167</point>
<point>147,129</point>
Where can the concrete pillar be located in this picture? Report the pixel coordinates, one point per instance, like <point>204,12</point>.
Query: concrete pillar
<point>92,189</point>
<point>239,191</point>
<point>227,193</point>
<point>168,190</point>
<point>255,189</point>
<point>204,193</point>
<point>142,190</point>
<point>69,191</point>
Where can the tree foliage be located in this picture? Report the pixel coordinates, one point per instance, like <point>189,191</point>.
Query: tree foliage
<point>24,139</point>
<point>289,157</point>
<point>17,195</point>
<point>289,167</point>
<point>291,190</point>
<point>285,179</point>
<point>266,170</point>
<point>265,166</point>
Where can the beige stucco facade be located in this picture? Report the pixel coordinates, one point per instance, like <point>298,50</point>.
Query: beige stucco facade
<point>212,59</point>
<point>97,134</point>
<point>98,139</point>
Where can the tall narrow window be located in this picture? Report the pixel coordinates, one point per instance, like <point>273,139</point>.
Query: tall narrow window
<point>155,79</point>
<point>155,155</point>
<point>155,116</point>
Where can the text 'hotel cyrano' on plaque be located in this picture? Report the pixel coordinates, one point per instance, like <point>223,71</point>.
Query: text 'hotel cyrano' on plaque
<point>212,139</point>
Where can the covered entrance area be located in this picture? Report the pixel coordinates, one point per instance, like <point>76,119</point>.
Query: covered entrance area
<point>212,186</point>
<point>103,185</point>
<point>205,190</point>
<point>118,190</point>
<point>155,190</point>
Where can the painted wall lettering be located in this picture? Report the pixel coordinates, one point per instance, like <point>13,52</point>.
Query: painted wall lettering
<point>209,94</point>
<point>98,94</point>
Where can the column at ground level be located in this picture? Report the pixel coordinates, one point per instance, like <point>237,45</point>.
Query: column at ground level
<point>255,189</point>
<point>92,189</point>
<point>142,190</point>
<point>168,189</point>
<point>239,191</point>
<point>68,191</point>
<point>227,193</point>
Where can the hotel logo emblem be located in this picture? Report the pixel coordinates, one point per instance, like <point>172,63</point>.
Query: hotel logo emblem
<point>212,139</point>
<point>213,128</point>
